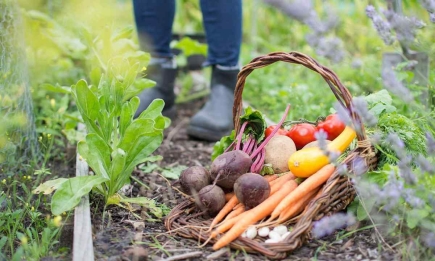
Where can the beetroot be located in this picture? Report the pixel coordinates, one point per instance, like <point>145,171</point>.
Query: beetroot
<point>193,179</point>
<point>212,198</point>
<point>229,166</point>
<point>251,189</point>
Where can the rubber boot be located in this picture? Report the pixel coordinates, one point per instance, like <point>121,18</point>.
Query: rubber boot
<point>215,119</point>
<point>164,89</point>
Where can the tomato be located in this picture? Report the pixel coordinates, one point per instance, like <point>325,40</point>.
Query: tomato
<point>271,128</point>
<point>332,125</point>
<point>302,134</point>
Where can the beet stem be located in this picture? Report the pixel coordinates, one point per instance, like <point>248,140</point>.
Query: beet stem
<point>260,163</point>
<point>251,147</point>
<point>230,147</point>
<point>247,147</point>
<point>278,126</point>
<point>254,165</point>
<point>239,137</point>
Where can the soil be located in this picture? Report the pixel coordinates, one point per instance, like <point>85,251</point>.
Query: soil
<point>128,235</point>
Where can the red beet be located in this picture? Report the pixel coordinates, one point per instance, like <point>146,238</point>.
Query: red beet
<point>251,189</point>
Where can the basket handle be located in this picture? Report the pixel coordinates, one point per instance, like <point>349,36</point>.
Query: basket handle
<point>340,91</point>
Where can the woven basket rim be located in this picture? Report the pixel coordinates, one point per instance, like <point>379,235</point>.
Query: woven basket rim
<point>337,192</point>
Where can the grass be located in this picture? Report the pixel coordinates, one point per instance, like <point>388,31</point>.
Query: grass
<point>27,230</point>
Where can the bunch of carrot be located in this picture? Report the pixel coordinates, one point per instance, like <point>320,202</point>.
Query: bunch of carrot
<point>286,200</point>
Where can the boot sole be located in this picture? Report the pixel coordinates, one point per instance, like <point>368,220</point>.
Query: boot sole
<point>206,134</point>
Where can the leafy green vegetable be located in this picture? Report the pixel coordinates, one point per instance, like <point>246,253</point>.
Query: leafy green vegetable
<point>257,123</point>
<point>220,146</point>
<point>115,143</point>
<point>69,193</point>
<point>380,104</point>
<point>411,135</point>
<point>256,127</point>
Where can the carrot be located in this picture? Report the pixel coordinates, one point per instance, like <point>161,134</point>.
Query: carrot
<point>283,178</point>
<point>276,184</point>
<point>236,211</point>
<point>271,177</point>
<point>228,196</point>
<point>296,208</point>
<point>255,214</point>
<point>227,224</point>
<point>224,211</point>
<point>308,185</point>
<point>239,205</point>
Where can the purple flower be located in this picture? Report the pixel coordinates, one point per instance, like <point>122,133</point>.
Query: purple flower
<point>396,144</point>
<point>297,9</point>
<point>429,5</point>
<point>411,199</point>
<point>328,225</point>
<point>366,189</point>
<point>342,169</point>
<point>359,166</point>
<point>429,239</point>
<point>430,142</point>
<point>391,192</point>
<point>382,27</point>
<point>360,107</point>
<point>333,155</point>
<point>425,165</point>
<point>405,170</point>
<point>321,137</point>
<point>357,63</point>
<point>432,17</point>
<point>343,114</point>
<point>404,26</point>
<point>395,86</point>
<point>376,138</point>
<point>331,48</point>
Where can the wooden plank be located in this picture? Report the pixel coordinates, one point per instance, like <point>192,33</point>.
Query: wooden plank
<point>83,248</point>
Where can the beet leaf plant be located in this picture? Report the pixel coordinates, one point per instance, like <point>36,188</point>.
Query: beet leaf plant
<point>115,141</point>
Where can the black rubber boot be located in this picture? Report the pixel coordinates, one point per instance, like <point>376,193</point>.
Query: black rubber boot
<point>214,120</point>
<point>164,89</point>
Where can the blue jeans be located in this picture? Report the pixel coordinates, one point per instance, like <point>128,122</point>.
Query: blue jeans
<point>222,21</point>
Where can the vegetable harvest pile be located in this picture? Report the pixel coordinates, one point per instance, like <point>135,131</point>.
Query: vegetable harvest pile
<point>263,176</point>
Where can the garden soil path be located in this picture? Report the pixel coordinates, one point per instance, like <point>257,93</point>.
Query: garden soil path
<point>151,240</point>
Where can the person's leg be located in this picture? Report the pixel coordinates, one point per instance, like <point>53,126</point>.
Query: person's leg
<point>154,19</point>
<point>223,28</point>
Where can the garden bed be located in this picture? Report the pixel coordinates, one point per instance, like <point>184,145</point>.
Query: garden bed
<point>126,234</point>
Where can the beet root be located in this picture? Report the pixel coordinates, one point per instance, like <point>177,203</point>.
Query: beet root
<point>193,179</point>
<point>212,198</point>
<point>251,189</point>
<point>229,166</point>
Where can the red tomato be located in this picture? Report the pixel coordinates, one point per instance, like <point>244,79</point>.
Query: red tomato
<point>302,134</point>
<point>271,128</point>
<point>332,125</point>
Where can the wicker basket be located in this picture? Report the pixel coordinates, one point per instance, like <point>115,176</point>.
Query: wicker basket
<point>337,193</point>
